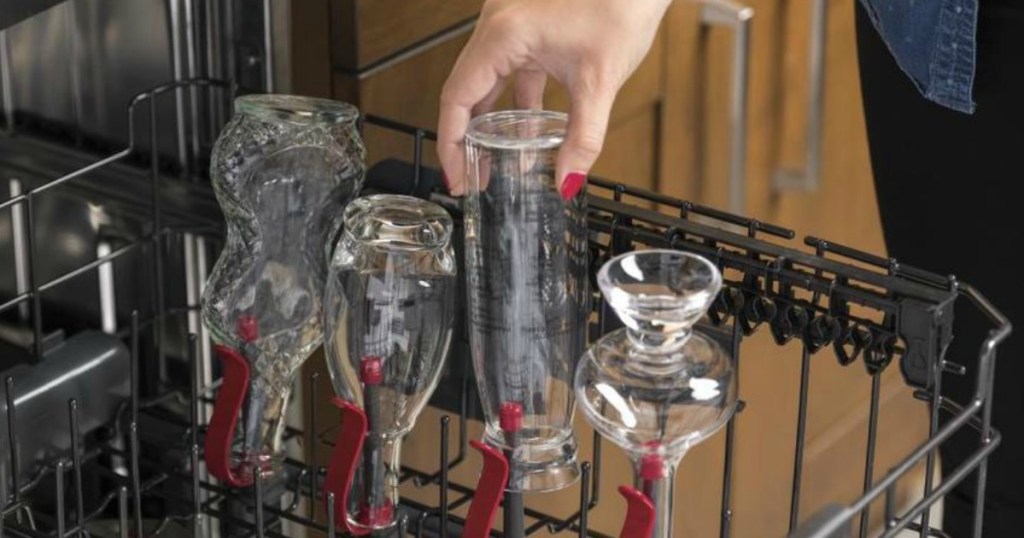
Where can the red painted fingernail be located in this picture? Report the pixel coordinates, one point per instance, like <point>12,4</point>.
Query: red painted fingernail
<point>572,185</point>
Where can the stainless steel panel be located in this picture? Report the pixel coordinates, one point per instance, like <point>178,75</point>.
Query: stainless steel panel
<point>80,64</point>
<point>15,11</point>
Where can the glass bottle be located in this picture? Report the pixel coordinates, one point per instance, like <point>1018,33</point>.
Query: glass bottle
<point>283,169</point>
<point>658,386</point>
<point>526,259</point>
<point>389,313</point>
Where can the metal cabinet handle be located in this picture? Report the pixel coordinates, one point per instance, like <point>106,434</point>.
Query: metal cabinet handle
<point>736,16</point>
<point>809,178</point>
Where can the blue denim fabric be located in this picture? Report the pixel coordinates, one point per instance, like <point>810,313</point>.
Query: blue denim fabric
<point>933,41</point>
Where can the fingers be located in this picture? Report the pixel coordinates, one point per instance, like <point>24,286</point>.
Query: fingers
<point>472,82</point>
<point>475,83</point>
<point>588,123</point>
<point>529,88</point>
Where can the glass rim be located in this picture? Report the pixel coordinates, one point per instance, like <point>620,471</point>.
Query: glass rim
<point>417,208</point>
<point>296,108</point>
<point>604,279</point>
<point>482,130</point>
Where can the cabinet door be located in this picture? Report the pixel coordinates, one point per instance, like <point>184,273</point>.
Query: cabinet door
<point>694,159</point>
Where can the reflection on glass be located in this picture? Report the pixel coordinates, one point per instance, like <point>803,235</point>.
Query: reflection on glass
<point>283,170</point>
<point>389,313</point>
<point>658,386</point>
<point>526,259</point>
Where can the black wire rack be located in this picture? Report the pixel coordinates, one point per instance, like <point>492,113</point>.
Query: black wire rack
<point>863,307</point>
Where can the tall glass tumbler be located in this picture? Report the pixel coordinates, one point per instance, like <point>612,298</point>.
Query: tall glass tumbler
<point>529,296</point>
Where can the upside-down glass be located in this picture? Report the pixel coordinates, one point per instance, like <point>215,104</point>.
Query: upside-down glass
<point>388,313</point>
<point>658,386</point>
<point>526,259</point>
<point>282,169</point>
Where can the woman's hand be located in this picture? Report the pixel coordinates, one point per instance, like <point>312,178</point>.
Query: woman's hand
<point>590,46</point>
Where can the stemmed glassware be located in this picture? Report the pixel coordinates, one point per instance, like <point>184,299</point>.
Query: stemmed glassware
<point>659,386</point>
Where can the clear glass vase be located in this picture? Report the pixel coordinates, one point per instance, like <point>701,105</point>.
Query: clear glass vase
<point>658,386</point>
<point>283,170</point>
<point>529,296</point>
<point>389,313</point>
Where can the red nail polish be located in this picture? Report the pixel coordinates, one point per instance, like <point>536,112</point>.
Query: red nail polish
<point>572,185</point>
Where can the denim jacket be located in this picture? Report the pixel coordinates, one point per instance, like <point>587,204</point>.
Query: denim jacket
<point>933,41</point>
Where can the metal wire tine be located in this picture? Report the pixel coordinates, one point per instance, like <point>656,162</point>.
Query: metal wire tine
<point>869,463</point>
<point>76,456</point>
<point>584,500</point>
<point>175,16</point>
<point>59,477</point>
<point>314,473</point>
<point>12,439</point>
<point>420,522</point>
<point>196,500</point>
<point>933,426</point>
<point>18,237</point>
<point>3,495</point>
<point>33,282</point>
<point>725,527</point>
<point>6,92</point>
<point>133,433</point>
<point>193,94</point>
<point>595,470</point>
<point>801,434</point>
<point>417,161</point>
<point>122,511</point>
<point>193,362</point>
<point>890,505</point>
<point>986,439</point>
<point>133,367</point>
<point>268,45</point>
<point>158,266</point>
<point>403,525</point>
<point>331,531</point>
<point>443,492</point>
<point>257,486</point>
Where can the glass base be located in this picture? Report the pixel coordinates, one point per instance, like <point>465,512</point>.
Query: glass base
<point>541,462</point>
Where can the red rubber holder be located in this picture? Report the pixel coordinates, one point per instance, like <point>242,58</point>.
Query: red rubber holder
<point>639,521</point>
<point>221,432</point>
<point>489,489</point>
<point>348,445</point>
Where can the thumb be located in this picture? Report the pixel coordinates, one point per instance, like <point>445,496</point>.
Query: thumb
<point>588,123</point>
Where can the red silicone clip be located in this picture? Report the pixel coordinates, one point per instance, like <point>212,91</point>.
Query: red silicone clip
<point>639,521</point>
<point>221,432</point>
<point>348,445</point>
<point>489,489</point>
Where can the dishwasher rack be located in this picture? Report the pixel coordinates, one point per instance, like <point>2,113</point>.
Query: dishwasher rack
<point>859,305</point>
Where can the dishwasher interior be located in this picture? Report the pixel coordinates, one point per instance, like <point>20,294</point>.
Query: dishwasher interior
<point>108,226</point>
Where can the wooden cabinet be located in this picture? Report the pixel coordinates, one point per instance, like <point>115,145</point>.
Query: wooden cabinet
<point>671,134</point>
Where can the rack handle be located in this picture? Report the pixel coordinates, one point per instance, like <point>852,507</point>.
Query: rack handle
<point>221,432</point>
<point>489,490</point>
<point>639,522</point>
<point>808,179</point>
<point>348,445</point>
<point>736,16</point>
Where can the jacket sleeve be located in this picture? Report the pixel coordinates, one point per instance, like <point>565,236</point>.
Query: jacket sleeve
<point>933,42</point>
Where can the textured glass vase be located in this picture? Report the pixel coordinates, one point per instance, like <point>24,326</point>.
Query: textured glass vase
<point>283,170</point>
